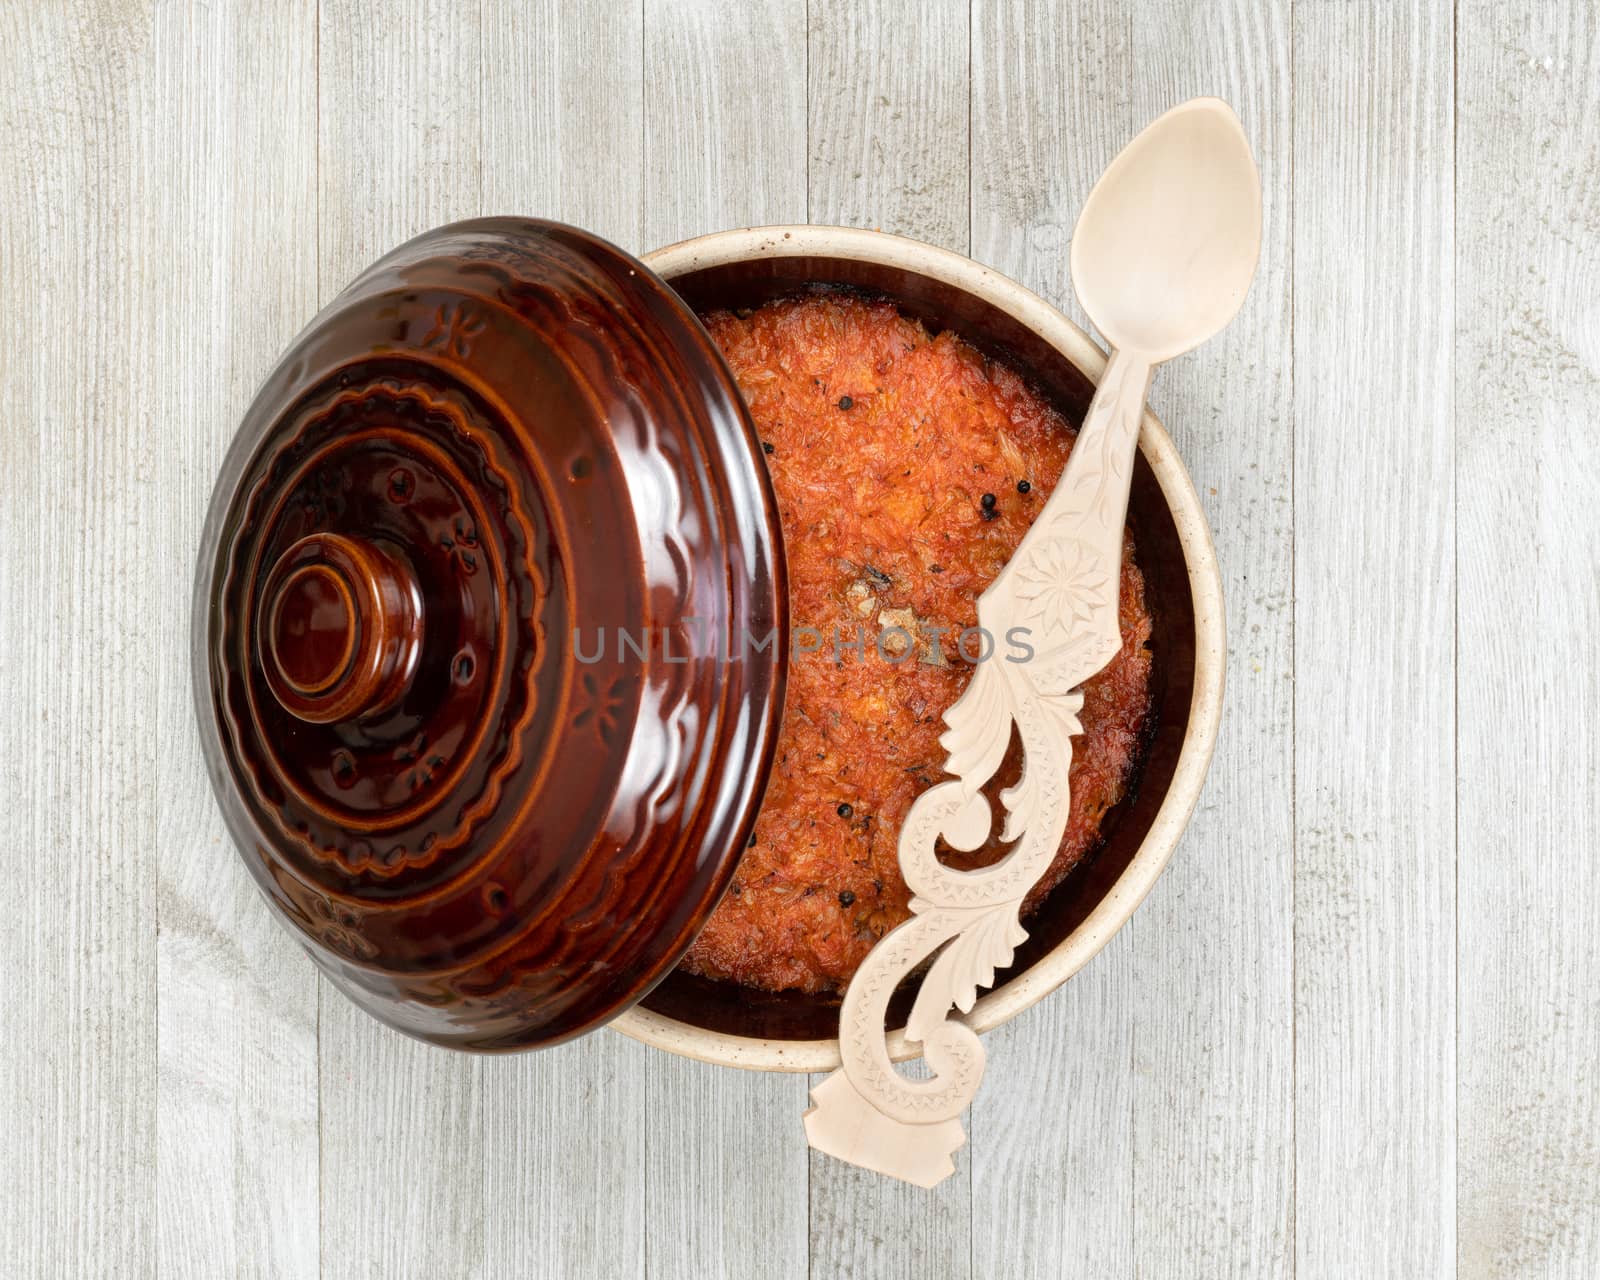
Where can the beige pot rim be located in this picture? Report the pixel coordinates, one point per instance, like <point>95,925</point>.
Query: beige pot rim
<point>1205,711</point>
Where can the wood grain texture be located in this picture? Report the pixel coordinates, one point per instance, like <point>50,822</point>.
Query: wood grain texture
<point>400,90</point>
<point>563,114</point>
<point>562,1188</point>
<point>727,1173</point>
<point>889,100</point>
<point>1374,647</point>
<point>403,1140</point>
<point>1287,1064</point>
<point>1528,474</point>
<point>1051,84</point>
<point>889,83</point>
<point>79,540</point>
<point>234,169</point>
<point>725,120</point>
<point>1213,1062</point>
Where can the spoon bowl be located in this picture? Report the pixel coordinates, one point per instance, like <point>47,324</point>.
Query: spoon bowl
<point>1167,242</point>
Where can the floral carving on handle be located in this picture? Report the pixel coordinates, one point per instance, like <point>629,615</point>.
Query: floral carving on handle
<point>1062,586</point>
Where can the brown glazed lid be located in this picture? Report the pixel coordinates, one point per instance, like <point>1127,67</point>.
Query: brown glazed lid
<point>478,634</point>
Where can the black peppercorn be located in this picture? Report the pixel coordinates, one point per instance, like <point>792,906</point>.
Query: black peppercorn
<point>988,501</point>
<point>845,810</point>
<point>845,402</point>
<point>846,898</point>
<point>767,445</point>
<point>1023,486</point>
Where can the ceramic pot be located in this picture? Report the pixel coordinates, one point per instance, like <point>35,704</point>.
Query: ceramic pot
<point>507,435</point>
<point>716,1022</point>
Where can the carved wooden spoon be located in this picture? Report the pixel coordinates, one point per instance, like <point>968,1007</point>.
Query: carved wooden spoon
<point>1163,255</point>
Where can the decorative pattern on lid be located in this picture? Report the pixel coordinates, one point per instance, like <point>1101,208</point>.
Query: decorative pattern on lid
<point>385,481</point>
<point>502,445</point>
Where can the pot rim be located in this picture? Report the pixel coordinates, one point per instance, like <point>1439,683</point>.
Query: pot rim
<point>1010,998</point>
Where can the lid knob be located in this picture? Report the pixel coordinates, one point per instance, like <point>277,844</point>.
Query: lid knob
<point>339,628</point>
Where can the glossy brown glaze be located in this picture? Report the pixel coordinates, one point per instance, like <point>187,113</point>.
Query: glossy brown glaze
<point>339,628</point>
<point>494,822</point>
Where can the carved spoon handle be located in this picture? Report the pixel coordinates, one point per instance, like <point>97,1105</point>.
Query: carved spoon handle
<point>1162,257</point>
<point>1061,588</point>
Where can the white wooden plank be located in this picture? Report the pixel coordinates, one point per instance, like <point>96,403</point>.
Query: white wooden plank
<point>1053,1123</point>
<point>1213,1058</point>
<point>402,1152</point>
<point>402,1122</point>
<point>1528,473</point>
<point>724,121</point>
<point>563,113</point>
<point>1052,104</point>
<point>78,783</point>
<point>565,1129</point>
<point>1374,661</point>
<point>1052,1132</point>
<point>399,136</point>
<point>727,1172</point>
<point>160,218</point>
<point>233,119</point>
<point>888,143</point>
<point>724,147</point>
<point>564,1187</point>
<point>889,86</point>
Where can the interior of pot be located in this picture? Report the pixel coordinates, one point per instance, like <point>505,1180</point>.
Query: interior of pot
<point>729,1009</point>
